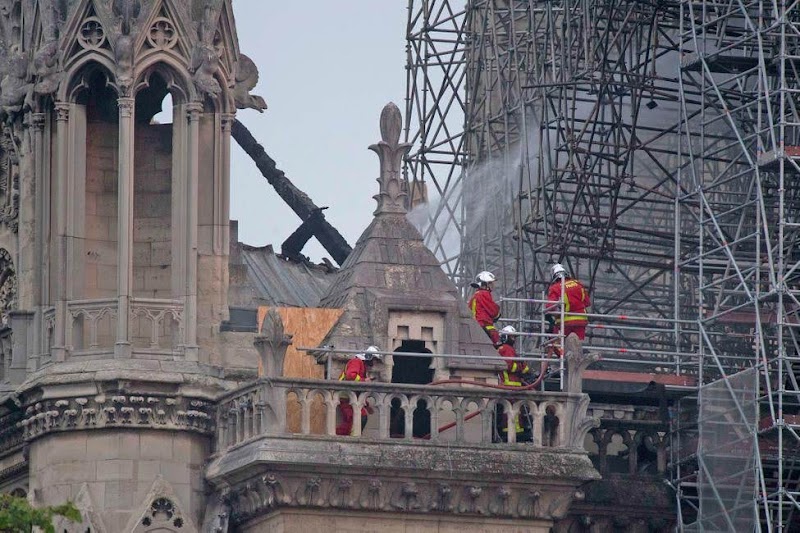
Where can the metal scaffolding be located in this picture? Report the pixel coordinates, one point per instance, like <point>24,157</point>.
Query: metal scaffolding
<point>653,147</point>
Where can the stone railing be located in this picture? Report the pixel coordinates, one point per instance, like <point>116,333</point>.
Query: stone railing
<point>160,324</point>
<point>156,325</point>
<point>401,413</point>
<point>48,331</point>
<point>91,325</point>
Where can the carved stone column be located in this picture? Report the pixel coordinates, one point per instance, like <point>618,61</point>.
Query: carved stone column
<point>125,193</point>
<point>40,291</point>
<point>222,194</point>
<point>62,147</point>
<point>21,325</point>
<point>193,173</point>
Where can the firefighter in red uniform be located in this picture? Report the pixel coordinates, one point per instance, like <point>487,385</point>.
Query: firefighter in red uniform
<point>355,370</point>
<point>575,301</point>
<point>516,374</point>
<point>483,307</point>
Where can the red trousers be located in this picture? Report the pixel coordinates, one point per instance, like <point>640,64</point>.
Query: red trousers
<point>493,334</point>
<point>345,426</point>
<point>577,329</point>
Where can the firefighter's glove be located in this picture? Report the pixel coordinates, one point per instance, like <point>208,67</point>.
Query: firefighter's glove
<point>550,320</point>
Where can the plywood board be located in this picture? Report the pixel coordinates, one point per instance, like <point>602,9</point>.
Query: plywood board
<point>308,327</point>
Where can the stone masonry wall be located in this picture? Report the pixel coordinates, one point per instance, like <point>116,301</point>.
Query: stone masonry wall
<point>152,211</point>
<point>100,245</point>
<point>119,467</point>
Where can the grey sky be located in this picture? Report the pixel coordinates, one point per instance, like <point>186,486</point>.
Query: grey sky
<point>326,70</point>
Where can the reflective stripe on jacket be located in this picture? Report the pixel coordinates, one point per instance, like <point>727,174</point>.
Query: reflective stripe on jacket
<point>575,300</point>
<point>483,307</point>
<point>512,375</point>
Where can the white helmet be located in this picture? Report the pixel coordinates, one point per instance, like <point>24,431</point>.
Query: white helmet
<point>369,354</point>
<point>558,271</point>
<point>485,277</point>
<point>506,332</point>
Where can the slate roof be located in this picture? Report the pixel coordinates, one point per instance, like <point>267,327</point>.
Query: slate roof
<point>259,276</point>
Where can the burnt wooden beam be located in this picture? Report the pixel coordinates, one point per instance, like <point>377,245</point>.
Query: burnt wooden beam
<point>328,236</point>
<point>294,244</point>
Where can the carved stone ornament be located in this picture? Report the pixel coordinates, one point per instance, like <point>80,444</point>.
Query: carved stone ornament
<point>272,345</point>
<point>154,412</point>
<point>262,495</point>
<point>206,56</point>
<point>90,518</point>
<point>16,91</point>
<point>392,195</point>
<point>576,363</point>
<point>9,180</point>
<point>126,12</point>
<point>8,287</point>
<point>161,510</point>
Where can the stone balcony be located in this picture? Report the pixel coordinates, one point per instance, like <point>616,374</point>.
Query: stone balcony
<point>425,451</point>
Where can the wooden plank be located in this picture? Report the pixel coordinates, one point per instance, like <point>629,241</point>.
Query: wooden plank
<point>308,327</point>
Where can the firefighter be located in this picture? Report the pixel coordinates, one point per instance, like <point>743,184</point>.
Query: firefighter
<point>516,374</point>
<point>575,301</point>
<point>355,370</point>
<point>483,307</point>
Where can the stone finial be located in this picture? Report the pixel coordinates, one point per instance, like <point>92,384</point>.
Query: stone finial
<point>391,198</point>
<point>272,345</point>
<point>576,362</point>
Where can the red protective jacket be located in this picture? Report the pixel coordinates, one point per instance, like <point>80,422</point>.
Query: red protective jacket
<point>484,308</point>
<point>576,301</point>
<point>355,370</point>
<point>513,374</point>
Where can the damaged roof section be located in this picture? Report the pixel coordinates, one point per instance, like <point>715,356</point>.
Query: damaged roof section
<point>261,277</point>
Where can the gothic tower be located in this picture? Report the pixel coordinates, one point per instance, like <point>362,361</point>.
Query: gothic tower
<point>114,236</point>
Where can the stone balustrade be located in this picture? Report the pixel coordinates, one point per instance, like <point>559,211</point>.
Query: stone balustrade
<point>461,416</point>
<point>160,323</point>
<point>157,326</point>
<point>90,324</point>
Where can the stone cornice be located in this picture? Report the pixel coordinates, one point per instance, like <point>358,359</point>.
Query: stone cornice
<point>117,411</point>
<point>267,492</point>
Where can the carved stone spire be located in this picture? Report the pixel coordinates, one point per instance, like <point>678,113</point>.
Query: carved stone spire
<point>391,198</point>
<point>272,345</point>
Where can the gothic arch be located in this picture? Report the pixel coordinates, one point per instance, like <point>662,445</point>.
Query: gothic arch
<point>178,82</point>
<point>78,77</point>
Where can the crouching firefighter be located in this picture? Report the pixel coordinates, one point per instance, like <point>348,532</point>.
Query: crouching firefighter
<point>355,370</point>
<point>516,374</point>
<point>484,309</point>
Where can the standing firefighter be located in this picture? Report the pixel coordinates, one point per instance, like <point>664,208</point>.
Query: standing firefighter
<point>483,307</point>
<point>575,300</point>
<point>516,374</point>
<point>355,370</point>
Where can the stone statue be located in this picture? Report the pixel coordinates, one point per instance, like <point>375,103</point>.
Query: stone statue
<point>126,12</point>
<point>246,81</point>
<point>205,62</point>
<point>205,57</point>
<point>48,72</point>
<point>15,89</point>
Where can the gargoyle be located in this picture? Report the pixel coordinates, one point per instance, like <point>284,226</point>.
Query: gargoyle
<point>246,81</point>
